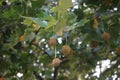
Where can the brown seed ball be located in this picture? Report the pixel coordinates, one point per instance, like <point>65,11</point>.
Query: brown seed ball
<point>71,51</point>
<point>105,36</point>
<point>117,49</point>
<point>94,44</point>
<point>59,33</point>
<point>70,54</point>
<point>66,49</point>
<point>52,42</point>
<point>56,62</point>
<point>1,78</point>
<point>33,42</point>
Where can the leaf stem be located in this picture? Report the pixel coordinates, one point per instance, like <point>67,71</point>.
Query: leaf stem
<point>55,51</point>
<point>66,40</point>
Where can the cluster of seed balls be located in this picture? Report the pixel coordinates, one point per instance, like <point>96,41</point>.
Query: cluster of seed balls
<point>66,50</point>
<point>106,37</point>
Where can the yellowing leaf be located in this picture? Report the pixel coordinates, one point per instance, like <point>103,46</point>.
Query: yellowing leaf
<point>60,25</point>
<point>65,4</point>
<point>35,26</point>
<point>62,6</point>
<point>22,38</point>
<point>27,22</point>
<point>60,33</point>
<point>95,24</point>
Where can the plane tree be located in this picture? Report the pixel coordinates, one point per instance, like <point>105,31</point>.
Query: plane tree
<point>59,39</point>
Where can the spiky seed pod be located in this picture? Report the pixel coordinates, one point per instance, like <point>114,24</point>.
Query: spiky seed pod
<point>52,42</point>
<point>56,62</point>
<point>70,54</point>
<point>94,44</point>
<point>106,36</point>
<point>66,49</point>
<point>117,49</point>
<point>59,33</point>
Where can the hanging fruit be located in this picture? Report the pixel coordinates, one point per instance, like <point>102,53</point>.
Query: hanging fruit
<point>56,62</point>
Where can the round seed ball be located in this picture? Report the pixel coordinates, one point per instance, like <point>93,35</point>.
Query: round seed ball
<point>66,49</point>
<point>52,42</point>
<point>56,62</point>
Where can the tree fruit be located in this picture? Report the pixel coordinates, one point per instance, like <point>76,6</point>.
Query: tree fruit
<point>22,38</point>
<point>1,78</point>
<point>106,36</point>
<point>59,33</point>
<point>117,49</point>
<point>66,49</point>
<point>52,42</point>
<point>70,54</point>
<point>56,62</point>
<point>94,44</point>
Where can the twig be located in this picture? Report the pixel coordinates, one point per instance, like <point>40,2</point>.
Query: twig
<point>56,69</point>
<point>37,76</point>
<point>55,73</point>
<point>45,52</point>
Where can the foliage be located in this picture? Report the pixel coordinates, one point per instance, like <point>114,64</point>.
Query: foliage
<point>26,26</point>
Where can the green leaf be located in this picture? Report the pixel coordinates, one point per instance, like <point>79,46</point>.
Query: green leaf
<point>51,23</point>
<point>44,15</point>
<point>61,24</point>
<point>83,22</point>
<point>6,46</point>
<point>64,4</point>
<point>28,21</point>
<point>40,22</point>
<point>78,24</point>
<point>30,37</point>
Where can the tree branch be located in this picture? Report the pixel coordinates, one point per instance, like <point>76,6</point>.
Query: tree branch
<point>37,76</point>
<point>55,73</point>
<point>45,52</point>
<point>56,68</point>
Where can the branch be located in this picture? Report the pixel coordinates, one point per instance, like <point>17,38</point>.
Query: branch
<point>64,60</point>
<point>45,52</point>
<point>55,73</point>
<point>56,68</point>
<point>37,76</point>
